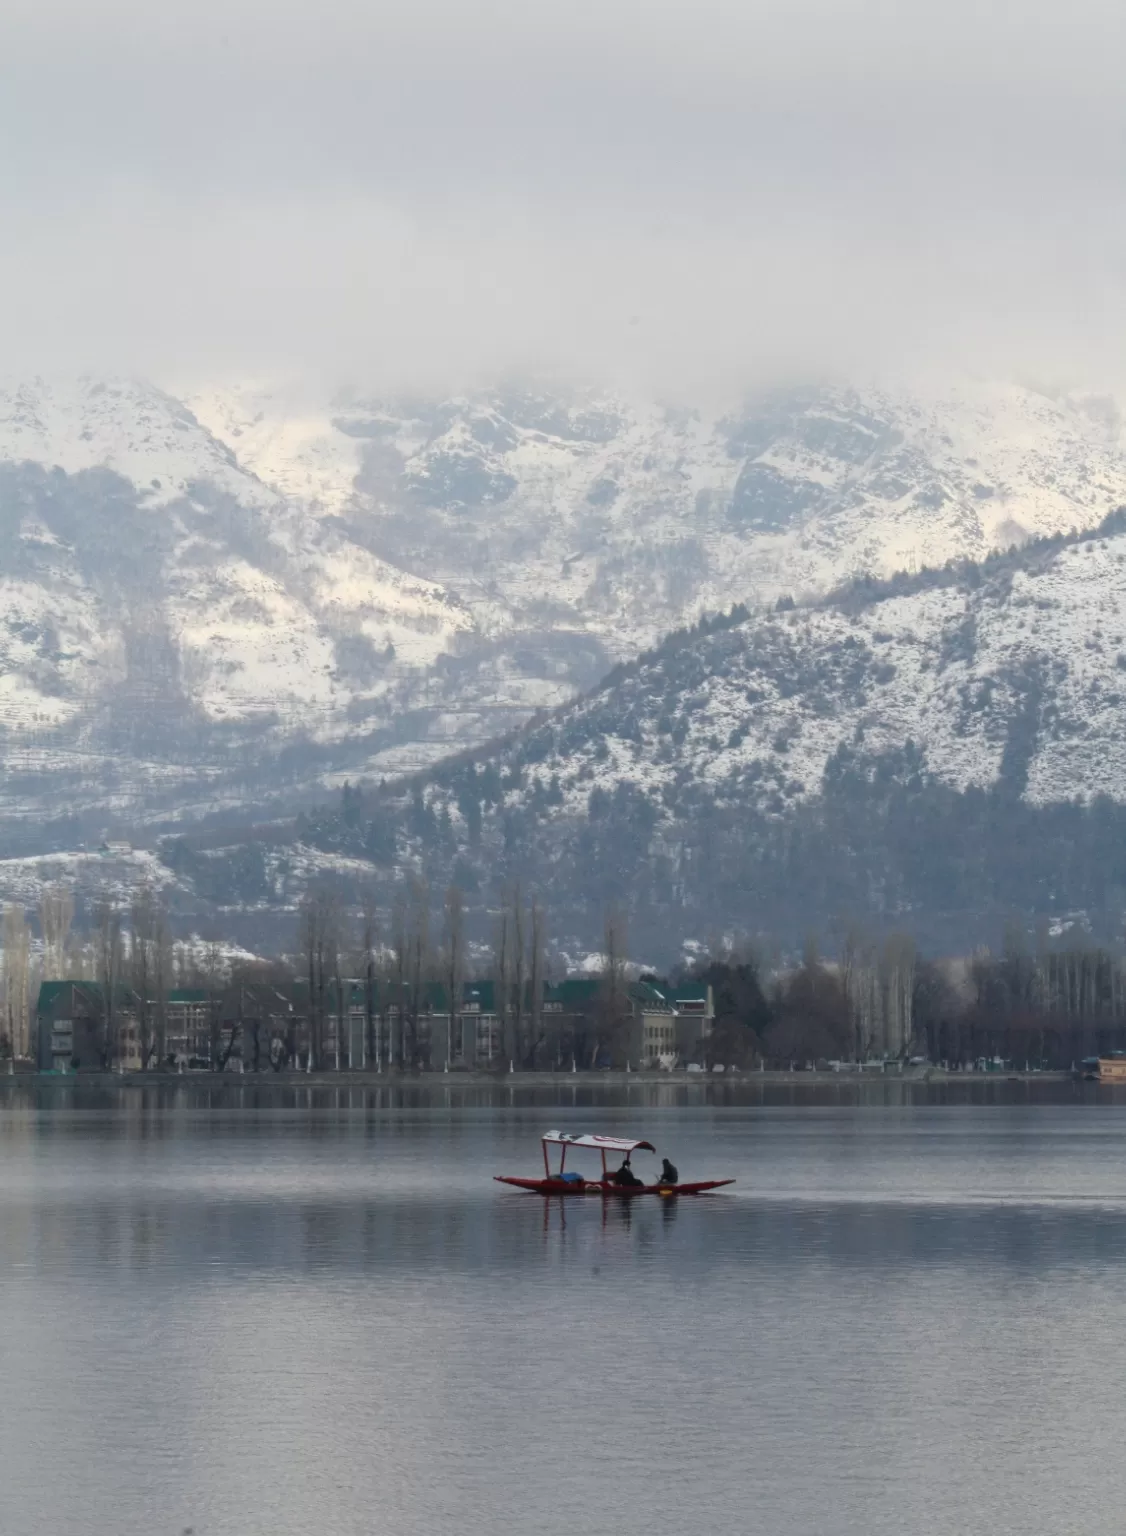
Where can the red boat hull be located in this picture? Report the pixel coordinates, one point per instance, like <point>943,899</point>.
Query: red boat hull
<point>596,1187</point>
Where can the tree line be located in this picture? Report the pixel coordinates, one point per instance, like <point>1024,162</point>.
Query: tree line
<point>1042,1000</point>
<point>1045,1004</point>
<point>884,837</point>
<point>127,950</point>
<point>398,954</point>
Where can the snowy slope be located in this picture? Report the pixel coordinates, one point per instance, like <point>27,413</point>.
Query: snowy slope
<point>287,436</point>
<point>623,518</point>
<point>697,784</point>
<point>255,591</point>
<point>918,752</point>
<point>273,571</point>
<point>752,714</point>
<point>1011,675</point>
<point>125,425</point>
<point>155,597</point>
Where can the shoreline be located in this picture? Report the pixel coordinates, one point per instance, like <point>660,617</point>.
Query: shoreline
<point>603,1078</point>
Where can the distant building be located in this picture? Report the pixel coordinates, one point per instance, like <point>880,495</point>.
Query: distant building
<point>79,1029</point>
<point>694,1004</point>
<point>259,1025</point>
<point>656,1024</point>
<point>187,1025</point>
<point>477,1028</point>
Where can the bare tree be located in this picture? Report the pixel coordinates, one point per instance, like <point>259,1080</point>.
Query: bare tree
<point>80,961</point>
<point>212,968</point>
<point>520,1045</point>
<point>343,1024</point>
<point>320,943</point>
<point>399,970</point>
<point>859,972</point>
<point>385,979</point>
<point>56,914</point>
<point>310,946</point>
<point>142,929</point>
<point>234,1033</point>
<point>370,934</point>
<point>149,968</point>
<point>535,975</point>
<point>453,964</point>
<point>897,975</point>
<point>161,978</point>
<point>17,953</point>
<point>419,960</point>
<point>613,1024</point>
<point>502,976</point>
<point>108,962</point>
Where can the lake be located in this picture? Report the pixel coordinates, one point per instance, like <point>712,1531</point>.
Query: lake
<point>310,1312</point>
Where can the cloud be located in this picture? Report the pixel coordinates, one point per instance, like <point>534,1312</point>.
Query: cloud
<point>682,195</point>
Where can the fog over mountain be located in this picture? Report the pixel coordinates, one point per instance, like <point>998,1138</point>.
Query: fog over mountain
<point>378,378</point>
<point>688,199</point>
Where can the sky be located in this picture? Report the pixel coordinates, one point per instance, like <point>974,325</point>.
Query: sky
<point>686,195</point>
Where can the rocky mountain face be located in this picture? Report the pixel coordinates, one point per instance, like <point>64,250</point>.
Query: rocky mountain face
<point>230,602</point>
<point>937,752</point>
<point>594,516</point>
<point>170,626</point>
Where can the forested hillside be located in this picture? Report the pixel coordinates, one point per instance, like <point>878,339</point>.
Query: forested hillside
<point>938,753</point>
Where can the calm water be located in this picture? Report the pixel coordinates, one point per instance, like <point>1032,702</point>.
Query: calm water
<point>323,1317</point>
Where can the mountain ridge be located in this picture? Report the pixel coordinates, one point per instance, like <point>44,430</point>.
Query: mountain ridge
<point>385,584</point>
<point>974,705</point>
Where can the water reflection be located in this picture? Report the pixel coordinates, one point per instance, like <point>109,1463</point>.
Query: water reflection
<point>289,1309</point>
<point>138,1102</point>
<point>142,1236</point>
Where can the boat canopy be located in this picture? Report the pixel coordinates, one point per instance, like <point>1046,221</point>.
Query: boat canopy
<point>599,1143</point>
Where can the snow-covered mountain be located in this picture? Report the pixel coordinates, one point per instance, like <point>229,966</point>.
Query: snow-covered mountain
<point>1019,673</point>
<point>935,751</point>
<point>132,428</point>
<point>239,596</point>
<point>623,519</point>
<point>163,610</point>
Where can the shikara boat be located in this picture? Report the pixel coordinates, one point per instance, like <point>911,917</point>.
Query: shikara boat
<point>562,1181</point>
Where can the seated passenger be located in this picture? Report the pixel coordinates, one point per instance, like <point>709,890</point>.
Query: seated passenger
<point>624,1176</point>
<point>669,1174</point>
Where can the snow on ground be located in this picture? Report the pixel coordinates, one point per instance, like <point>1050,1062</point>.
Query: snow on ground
<point>287,436</point>
<point>594,965</point>
<point>496,550</point>
<point>250,647</point>
<point>630,530</point>
<point>354,589</point>
<point>114,875</point>
<point>756,712</point>
<point>54,650</point>
<point>121,424</point>
<point>195,955</point>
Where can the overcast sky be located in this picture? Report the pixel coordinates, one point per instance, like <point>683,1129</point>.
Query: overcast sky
<point>684,194</point>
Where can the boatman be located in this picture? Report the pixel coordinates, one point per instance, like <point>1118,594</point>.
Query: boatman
<point>625,1176</point>
<point>669,1174</point>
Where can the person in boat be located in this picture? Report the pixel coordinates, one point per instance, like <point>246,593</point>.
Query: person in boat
<point>669,1174</point>
<point>624,1177</point>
